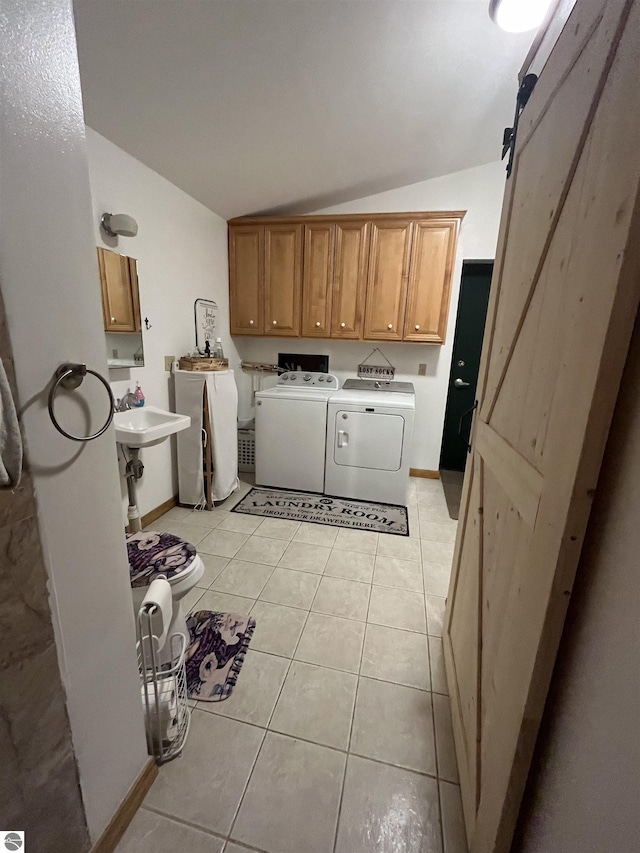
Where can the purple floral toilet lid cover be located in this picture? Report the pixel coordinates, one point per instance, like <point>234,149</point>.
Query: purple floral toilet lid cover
<point>152,554</point>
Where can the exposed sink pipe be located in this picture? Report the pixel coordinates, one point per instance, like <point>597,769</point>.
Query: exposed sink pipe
<point>133,472</point>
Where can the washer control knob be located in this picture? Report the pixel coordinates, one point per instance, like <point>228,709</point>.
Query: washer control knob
<point>320,378</point>
<point>307,377</point>
<point>293,377</point>
<point>284,378</point>
<point>344,417</point>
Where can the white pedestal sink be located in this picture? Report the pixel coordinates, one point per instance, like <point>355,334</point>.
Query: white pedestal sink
<point>144,427</point>
<point>147,426</point>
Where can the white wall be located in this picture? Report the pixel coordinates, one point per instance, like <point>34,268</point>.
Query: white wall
<point>50,285</point>
<point>181,249</point>
<point>479,191</point>
<point>583,794</point>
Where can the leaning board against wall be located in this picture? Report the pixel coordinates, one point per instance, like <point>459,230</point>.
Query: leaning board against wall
<point>378,277</point>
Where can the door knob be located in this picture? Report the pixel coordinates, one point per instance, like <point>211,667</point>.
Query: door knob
<point>460,383</point>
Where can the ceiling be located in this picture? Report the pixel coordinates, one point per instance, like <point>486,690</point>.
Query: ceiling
<point>281,105</point>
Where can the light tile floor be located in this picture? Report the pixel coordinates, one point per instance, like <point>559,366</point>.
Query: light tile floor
<point>338,737</point>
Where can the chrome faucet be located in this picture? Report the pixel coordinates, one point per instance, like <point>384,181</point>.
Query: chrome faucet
<point>124,404</point>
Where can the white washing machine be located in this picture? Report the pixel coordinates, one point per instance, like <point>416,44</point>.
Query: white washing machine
<point>369,431</point>
<point>291,431</point>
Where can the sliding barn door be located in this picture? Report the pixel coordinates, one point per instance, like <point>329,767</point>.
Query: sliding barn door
<point>564,298</point>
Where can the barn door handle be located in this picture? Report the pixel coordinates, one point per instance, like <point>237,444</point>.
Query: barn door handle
<point>461,423</point>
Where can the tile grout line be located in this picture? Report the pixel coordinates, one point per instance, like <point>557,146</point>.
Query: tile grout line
<point>350,671</point>
<point>433,716</point>
<point>238,595</point>
<point>266,728</point>
<point>246,785</point>
<point>184,822</point>
<point>325,746</point>
<point>353,717</point>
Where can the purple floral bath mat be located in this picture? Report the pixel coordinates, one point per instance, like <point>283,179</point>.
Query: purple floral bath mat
<point>218,643</point>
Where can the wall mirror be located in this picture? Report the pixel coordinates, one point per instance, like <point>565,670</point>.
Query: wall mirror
<point>121,309</point>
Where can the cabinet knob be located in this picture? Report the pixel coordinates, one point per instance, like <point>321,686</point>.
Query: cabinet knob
<point>342,325</point>
<point>417,328</point>
<point>275,322</point>
<point>251,322</point>
<point>318,324</point>
<point>390,326</point>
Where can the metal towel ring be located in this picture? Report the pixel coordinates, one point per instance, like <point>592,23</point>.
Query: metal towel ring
<point>70,376</point>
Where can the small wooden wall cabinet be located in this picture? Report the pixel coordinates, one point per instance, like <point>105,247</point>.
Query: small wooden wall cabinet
<point>375,277</point>
<point>119,284</point>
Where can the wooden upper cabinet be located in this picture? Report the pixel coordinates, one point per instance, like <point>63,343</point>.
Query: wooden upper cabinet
<point>380,277</point>
<point>246,279</point>
<point>432,260</point>
<point>119,285</point>
<point>317,279</point>
<point>387,279</point>
<point>350,279</point>
<point>282,280</point>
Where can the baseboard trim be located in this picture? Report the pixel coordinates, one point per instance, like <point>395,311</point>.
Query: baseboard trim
<point>118,824</point>
<point>423,472</point>
<point>153,514</point>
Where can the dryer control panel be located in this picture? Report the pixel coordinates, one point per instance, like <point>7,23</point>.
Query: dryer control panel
<point>302,379</point>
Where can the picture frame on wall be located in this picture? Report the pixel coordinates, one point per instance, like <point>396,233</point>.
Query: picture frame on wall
<point>205,315</point>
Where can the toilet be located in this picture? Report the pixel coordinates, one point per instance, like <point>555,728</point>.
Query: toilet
<point>152,554</point>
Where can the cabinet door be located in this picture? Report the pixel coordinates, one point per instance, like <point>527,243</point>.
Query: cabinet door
<point>317,278</point>
<point>387,280</point>
<point>432,259</point>
<point>350,280</point>
<point>246,279</point>
<point>283,279</point>
<point>119,284</point>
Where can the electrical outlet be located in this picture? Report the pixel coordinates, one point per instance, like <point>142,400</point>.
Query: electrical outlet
<point>168,362</point>
<point>422,370</point>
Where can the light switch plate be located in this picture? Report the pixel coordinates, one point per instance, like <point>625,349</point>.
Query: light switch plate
<point>422,370</point>
<point>168,362</point>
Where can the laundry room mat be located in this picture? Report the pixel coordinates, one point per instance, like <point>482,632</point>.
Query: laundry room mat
<point>320,509</point>
<point>218,643</point>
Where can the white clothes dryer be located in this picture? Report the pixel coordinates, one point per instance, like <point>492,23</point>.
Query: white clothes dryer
<point>291,431</point>
<point>369,432</point>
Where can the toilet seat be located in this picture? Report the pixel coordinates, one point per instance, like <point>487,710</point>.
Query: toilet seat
<point>152,553</point>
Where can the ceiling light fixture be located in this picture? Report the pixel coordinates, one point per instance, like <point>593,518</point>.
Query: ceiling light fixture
<point>518,16</point>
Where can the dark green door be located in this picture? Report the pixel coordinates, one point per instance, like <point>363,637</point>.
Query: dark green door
<point>465,362</point>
